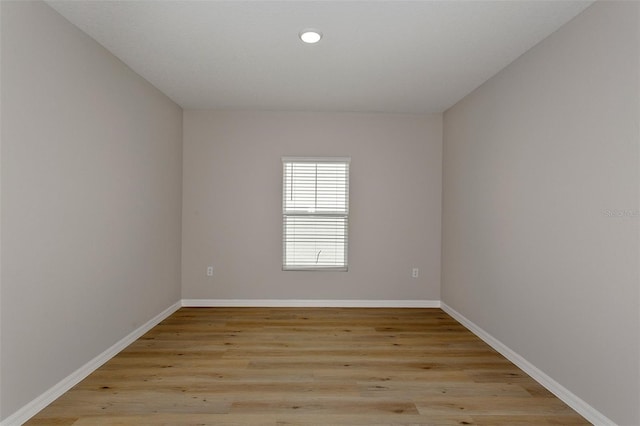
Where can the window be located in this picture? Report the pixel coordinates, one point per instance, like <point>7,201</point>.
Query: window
<point>315,213</point>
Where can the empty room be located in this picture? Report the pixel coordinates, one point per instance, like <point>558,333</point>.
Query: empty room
<point>319,212</point>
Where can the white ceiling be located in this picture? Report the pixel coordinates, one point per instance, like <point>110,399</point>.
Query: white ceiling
<point>382,56</point>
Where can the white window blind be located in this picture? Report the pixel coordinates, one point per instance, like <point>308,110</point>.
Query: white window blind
<point>315,213</point>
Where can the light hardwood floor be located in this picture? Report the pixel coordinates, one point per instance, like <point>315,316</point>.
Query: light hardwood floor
<point>320,366</point>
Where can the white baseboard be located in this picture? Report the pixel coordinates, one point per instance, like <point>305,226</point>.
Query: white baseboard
<point>569,398</point>
<point>35,406</point>
<point>306,303</point>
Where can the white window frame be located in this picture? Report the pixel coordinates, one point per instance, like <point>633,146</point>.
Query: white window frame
<point>309,215</point>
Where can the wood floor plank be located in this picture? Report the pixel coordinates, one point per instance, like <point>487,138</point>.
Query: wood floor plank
<point>308,366</point>
<point>275,419</point>
<point>417,390</point>
<point>505,405</point>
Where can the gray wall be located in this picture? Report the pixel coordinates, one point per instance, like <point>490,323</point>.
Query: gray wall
<point>536,162</point>
<point>91,199</point>
<point>232,204</point>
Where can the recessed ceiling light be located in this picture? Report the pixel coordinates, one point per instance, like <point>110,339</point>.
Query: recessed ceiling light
<point>310,36</point>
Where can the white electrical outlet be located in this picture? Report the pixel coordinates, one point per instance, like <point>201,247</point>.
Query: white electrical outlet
<point>209,271</point>
<point>415,272</point>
